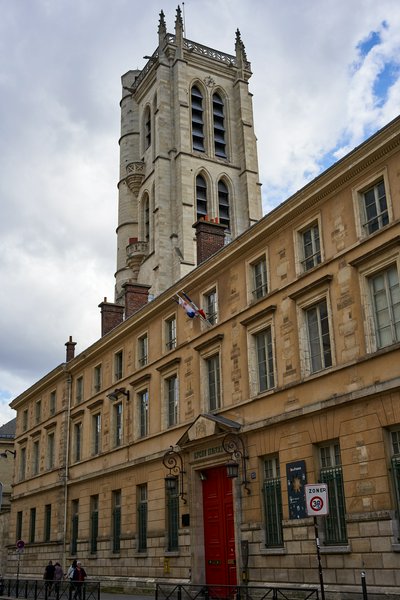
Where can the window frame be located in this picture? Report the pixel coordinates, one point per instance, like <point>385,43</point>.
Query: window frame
<point>253,359</point>
<point>96,445</point>
<point>94,523</point>
<point>370,268</point>
<point>171,399</point>
<point>212,317</point>
<point>97,378</point>
<point>47,523</point>
<point>116,521</point>
<point>142,514</point>
<point>170,333</point>
<point>118,364</point>
<point>143,408</point>
<point>306,303</point>
<point>358,195</point>
<point>79,389</point>
<point>50,454</point>
<point>218,124</point>
<point>142,345</point>
<point>299,248</point>
<point>252,285</point>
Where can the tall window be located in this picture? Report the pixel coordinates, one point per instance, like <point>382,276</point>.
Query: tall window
<point>77,441</point>
<point>147,128</point>
<point>197,119</point>
<point>272,503</point>
<point>32,525</point>
<point>170,333</point>
<point>74,526</point>
<point>223,206</point>
<point>331,473</point>
<point>265,361</point>
<point>385,292</point>
<point>94,522</point>
<point>172,512</point>
<point>211,306</point>
<point>259,272</point>
<point>22,463</point>
<point>142,517</point>
<point>38,411</point>
<point>50,450</point>
<point>172,393</point>
<point>118,427</point>
<point>25,420</point>
<point>395,441</point>
<point>36,457</point>
<point>319,343</point>
<point>97,379</point>
<point>96,433</point>
<point>52,403</point>
<point>311,249</point>
<point>375,210</point>
<point>47,522</point>
<point>79,390</point>
<point>143,350</point>
<point>143,398</point>
<point>116,521</point>
<point>118,365</point>
<point>219,126</point>
<point>213,382</point>
<point>18,531</point>
<point>146,218</point>
<point>201,197</point>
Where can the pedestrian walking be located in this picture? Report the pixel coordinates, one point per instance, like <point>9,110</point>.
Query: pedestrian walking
<point>58,576</point>
<point>78,578</point>
<point>48,577</point>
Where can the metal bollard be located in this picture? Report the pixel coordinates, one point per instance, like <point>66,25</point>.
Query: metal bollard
<point>364,585</point>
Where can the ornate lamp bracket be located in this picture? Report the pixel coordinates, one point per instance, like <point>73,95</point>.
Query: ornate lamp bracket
<point>233,444</point>
<point>173,461</point>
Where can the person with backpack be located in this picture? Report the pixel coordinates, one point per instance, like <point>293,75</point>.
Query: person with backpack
<point>78,578</point>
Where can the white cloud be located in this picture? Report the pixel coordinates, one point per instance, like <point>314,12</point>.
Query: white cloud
<point>60,68</point>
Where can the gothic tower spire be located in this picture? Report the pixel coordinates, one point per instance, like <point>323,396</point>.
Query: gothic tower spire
<point>187,152</point>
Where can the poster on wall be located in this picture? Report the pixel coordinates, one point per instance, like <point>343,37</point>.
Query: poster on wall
<point>296,480</point>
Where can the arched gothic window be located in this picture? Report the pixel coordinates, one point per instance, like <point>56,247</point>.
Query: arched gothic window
<point>146,218</point>
<point>197,119</point>
<point>223,205</point>
<point>219,126</point>
<point>201,197</point>
<point>147,128</point>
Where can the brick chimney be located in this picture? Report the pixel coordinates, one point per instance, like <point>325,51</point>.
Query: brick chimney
<point>136,296</point>
<point>111,316</point>
<point>70,352</point>
<point>210,237</point>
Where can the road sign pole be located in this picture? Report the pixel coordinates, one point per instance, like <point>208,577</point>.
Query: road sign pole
<point>321,577</point>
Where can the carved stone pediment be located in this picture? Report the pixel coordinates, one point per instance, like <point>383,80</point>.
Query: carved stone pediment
<point>207,425</point>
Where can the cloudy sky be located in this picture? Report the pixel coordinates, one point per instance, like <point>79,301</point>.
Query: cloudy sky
<point>326,75</point>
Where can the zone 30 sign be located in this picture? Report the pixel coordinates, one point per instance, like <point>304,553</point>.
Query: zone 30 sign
<point>316,499</point>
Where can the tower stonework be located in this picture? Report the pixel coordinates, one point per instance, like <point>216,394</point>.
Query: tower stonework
<point>187,152</point>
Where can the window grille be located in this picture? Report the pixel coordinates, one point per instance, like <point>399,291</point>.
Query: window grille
<point>142,518</point>
<point>331,474</point>
<point>32,525</point>
<point>219,126</point>
<point>47,522</point>
<point>116,520</point>
<point>172,520</point>
<point>74,526</point>
<point>94,523</point>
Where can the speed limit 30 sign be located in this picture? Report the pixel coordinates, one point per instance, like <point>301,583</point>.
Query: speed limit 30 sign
<point>316,499</point>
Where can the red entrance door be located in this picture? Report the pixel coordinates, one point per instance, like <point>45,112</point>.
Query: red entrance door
<point>219,533</point>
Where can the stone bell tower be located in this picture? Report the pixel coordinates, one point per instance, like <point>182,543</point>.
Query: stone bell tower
<point>187,152</point>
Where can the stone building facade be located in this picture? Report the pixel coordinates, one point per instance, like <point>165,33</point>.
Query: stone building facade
<point>7,453</point>
<point>277,357</point>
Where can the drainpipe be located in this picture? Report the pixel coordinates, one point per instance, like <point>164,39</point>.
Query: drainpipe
<point>65,475</point>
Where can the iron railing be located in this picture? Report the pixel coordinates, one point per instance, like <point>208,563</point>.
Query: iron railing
<point>38,589</point>
<point>232,592</point>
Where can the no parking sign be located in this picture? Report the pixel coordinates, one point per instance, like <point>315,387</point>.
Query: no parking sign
<point>316,499</point>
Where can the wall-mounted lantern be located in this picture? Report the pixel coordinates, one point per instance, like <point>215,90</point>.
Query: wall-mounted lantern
<point>172,460</point>
<point>4,454</point>
<point>117,392</point>
<point>233,444</point>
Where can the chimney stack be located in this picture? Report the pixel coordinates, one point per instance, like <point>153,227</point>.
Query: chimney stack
<point>210,237</point>
<point>111,316</point>
<point>136,296</point>
<point>70,352</point>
